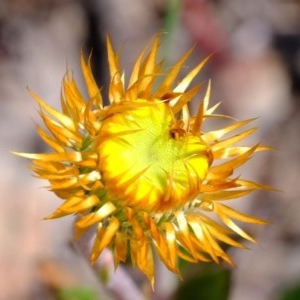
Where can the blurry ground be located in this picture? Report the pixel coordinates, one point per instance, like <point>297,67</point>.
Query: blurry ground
<point>256,72</point>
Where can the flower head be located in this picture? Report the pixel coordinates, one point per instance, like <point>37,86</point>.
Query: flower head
<point>142,169</point>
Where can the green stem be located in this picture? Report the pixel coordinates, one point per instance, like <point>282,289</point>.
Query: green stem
<point>170,22</point>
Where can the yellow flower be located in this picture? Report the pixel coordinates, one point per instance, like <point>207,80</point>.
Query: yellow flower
<point>142,169</point>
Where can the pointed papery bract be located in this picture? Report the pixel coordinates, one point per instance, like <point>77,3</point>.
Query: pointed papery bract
<point>142,169</point>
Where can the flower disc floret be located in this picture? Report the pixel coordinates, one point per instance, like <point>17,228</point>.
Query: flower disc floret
<point>144,165</point>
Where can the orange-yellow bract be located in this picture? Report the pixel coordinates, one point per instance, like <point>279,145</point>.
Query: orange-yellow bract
<point>142,169</point>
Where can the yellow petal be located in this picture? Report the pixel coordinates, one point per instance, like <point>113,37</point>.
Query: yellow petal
<point>185,82</point>
<point>147,69</point>
<point>120,249</point>
<point>232,140</point>
<point>232,213</point>
<point>201,110</point>
<point>171,246</point>
<point>116,92</point>
<point>78,204</point>
<point>103,212</point>
<point>62,118</point>
<point>184,233</point>
<point>217,134</point>
<point>224,195</point>
<point>105,237</point>
<point>168,81</point>
<point>254,185</point>
<point>65,156</point>
<point>185,98</point>
<point>90,82</point>
<point>228,167</point>
<point>142,257</point>
<point>234,151</point>
<point>55,145</point>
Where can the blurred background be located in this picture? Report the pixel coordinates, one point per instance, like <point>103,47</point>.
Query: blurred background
<point>255,72</point>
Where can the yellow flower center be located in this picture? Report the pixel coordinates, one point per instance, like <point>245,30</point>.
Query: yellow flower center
<point>143,164</point>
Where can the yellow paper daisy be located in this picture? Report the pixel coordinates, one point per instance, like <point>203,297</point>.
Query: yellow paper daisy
<point>142,169</point>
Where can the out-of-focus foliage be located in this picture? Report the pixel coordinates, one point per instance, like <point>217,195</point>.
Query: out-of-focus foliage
<point>210,283</point>
<point>292,293</point>
<point>77,293</point>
